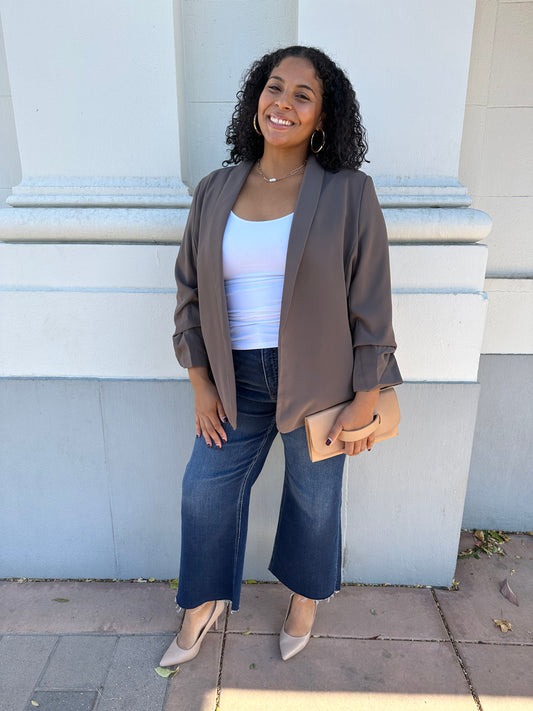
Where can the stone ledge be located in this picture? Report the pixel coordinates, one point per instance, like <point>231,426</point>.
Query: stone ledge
<point>149,225</point>
<point>93,224</point>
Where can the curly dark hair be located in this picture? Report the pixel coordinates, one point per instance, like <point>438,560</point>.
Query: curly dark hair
<point>345,145</point>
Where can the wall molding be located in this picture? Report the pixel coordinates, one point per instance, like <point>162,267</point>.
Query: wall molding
<point>165,224</point>
<point>100,192</point>
<point>423,195</point>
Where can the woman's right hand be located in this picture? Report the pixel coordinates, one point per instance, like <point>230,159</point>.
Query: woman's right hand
<point>208,408</point>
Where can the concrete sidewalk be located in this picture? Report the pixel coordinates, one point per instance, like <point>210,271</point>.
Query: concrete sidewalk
<point>93,646</point>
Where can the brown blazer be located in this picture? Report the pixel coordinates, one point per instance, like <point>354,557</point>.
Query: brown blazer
<point>335,333</point>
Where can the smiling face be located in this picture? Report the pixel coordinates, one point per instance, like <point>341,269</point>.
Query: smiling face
<point>290,105</point>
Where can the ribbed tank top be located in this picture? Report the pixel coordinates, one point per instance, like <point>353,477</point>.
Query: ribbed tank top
<point>253,258</point>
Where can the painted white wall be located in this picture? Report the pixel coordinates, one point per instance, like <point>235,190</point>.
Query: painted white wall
<point>94,92</point>
<point>445,343</point>
<point>509,326</point>
<point>217,42</point>
<point>500,485</point>
<point>408,63</point>
<point>98,447</point>
<point>496,160</point>
<point>9,156</point>
<point>391,509</point>
<point>497,148</point>
<point>420,268</point>
<point>105,311</point>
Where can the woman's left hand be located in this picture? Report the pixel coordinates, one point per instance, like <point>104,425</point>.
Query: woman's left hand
<point>359,413</point>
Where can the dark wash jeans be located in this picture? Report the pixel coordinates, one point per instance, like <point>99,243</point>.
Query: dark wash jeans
<point>216,495</point>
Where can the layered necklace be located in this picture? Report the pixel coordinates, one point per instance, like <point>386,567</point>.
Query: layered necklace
<point>277,180</point>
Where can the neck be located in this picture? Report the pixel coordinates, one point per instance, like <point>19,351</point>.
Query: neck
<point>276,162</point>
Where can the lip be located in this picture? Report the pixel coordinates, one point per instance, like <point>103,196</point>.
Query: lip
<point>275,121</point>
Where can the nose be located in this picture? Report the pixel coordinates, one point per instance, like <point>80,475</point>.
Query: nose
<point>283,102</point>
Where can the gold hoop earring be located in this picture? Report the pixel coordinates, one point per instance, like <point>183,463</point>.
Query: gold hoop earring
<point>317,150</point>
<point>256,127</point>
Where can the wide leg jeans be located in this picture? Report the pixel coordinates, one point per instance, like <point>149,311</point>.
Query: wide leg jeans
<point>216,494</point>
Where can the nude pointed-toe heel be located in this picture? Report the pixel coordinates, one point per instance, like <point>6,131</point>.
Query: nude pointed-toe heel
<point>289,645</point>
<point>176,655</point>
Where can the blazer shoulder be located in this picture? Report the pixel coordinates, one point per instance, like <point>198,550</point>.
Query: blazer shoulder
<point>219,177</point>
<point>352,179</point>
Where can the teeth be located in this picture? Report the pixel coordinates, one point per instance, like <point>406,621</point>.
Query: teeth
<point>280,122</point>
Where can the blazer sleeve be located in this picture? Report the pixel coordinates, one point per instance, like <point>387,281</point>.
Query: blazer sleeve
<point>188,340</point>
<point>369,300</point>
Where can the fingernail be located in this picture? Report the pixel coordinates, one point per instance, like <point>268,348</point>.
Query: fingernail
<point>209,445</point>
<point>224,419</point>
<point>197,436</point>
<point>219,446</point>
<point>328,442</point>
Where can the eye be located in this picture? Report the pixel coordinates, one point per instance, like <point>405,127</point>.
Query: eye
<point>274,87</point>
<point>302,97</point>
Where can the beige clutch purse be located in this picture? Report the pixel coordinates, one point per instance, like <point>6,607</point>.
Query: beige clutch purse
<point>384,425</point>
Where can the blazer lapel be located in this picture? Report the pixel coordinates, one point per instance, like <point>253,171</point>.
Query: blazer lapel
<point>220,213</point>
<point>225,201</point>
<point>303,217</point>
<point>301,223</point>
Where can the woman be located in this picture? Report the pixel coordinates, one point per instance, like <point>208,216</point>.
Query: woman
<point>284,309</point>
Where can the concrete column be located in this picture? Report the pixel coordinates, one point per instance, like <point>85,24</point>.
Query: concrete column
<point>409,64</point>
<point>91,324</point>
<point>95,104</point>
<point>220,40</point>
<point>9,157</point>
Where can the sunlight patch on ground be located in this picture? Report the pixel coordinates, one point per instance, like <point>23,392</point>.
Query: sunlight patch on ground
<point>282,700</point>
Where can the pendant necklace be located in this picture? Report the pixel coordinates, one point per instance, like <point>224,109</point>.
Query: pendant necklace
<point>277,180</point>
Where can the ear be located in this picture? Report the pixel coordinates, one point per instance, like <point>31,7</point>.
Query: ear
<point>321,120</point>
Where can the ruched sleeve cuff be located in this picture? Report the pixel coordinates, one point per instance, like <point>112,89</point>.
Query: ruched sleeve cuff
<point>188,341</point>
<point>375,367</point>
<point>190,348</point>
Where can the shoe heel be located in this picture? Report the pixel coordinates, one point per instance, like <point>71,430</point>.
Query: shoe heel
<point>176,655</point>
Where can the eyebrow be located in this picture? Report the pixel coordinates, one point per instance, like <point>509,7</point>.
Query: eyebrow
<point>300,86</point>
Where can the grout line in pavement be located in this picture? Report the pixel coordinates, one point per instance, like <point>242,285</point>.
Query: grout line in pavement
<point>100,689</point>
<point>75,689</point>
<point>457,653</point>
<point>45,667</point>
<point>98,697</point>
<point>373,638</point>
<point>253,632</point>
<point>273,634</point>
<point>89,634</point>
<point>496,644</point>
<point>165,695</point>
<point>219,679</point>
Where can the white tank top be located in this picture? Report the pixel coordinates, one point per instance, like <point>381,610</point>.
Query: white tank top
<point>253,259</point>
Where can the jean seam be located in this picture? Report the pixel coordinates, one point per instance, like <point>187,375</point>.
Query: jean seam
<point>267,379</point>
<point>241,497</point>
<point>282,503</point>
